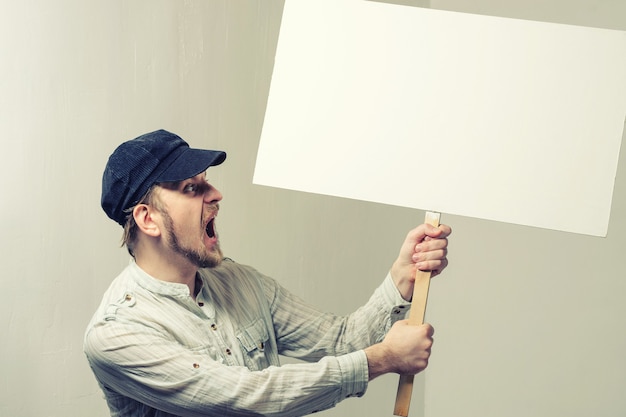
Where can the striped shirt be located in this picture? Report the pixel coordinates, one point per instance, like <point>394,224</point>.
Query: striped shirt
<point>156,351</point>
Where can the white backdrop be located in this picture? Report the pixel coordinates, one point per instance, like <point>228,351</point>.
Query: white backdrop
<point>528,322</point>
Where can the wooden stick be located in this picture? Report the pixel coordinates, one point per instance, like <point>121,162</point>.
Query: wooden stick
<point>416,317</point>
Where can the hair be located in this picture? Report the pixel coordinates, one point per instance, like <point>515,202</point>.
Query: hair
<point>129,238</point>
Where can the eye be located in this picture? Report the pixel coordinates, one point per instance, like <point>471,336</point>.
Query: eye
<point>191,188</point>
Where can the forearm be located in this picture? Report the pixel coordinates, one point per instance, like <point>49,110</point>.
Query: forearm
<point>377,361</point>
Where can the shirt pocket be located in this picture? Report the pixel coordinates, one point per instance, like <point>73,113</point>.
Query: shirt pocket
<point>253,339</point>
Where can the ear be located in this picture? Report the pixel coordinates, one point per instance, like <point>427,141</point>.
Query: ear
<point>144,217</point>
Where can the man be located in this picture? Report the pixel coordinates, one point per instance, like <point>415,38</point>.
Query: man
<point>183,331</point>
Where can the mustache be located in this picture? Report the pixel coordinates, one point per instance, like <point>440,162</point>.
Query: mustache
<point>211,211</point>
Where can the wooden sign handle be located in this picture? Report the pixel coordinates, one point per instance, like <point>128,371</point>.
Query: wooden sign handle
<point>416,317</point>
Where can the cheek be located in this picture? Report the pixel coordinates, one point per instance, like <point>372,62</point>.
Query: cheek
<point>183,224</point>
<point>190,226</point>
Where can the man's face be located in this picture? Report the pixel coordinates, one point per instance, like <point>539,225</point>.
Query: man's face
<point>190,208</point>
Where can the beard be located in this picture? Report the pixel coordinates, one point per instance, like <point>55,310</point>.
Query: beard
<point>204,258</point>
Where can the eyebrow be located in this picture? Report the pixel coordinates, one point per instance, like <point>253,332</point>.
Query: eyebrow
<point>170,185</point>
<point>202,183</point>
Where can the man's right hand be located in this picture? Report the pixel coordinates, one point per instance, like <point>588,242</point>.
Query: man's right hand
<point>405,350</point>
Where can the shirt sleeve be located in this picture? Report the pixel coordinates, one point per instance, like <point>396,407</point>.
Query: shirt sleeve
<point>141,364</point>
<point>304,332</point>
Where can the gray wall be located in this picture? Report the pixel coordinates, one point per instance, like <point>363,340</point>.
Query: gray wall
<point>529,322</point>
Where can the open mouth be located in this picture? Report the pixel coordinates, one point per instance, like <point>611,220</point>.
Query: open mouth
<point>210,228</point>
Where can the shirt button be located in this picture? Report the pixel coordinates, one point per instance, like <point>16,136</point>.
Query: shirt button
<point>213,326</point>
<point>129,299</point>
<point>201,304</point>
<point>228,352</point>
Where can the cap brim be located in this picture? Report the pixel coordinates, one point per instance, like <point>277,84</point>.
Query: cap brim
<point>191,163</point>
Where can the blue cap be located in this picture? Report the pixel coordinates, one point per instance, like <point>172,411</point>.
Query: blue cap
<point>138,164</point>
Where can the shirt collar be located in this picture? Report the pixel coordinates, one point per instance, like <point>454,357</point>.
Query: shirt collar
<point>145,280</point>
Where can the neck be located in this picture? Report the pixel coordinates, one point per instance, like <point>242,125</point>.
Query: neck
<point>169,268</point>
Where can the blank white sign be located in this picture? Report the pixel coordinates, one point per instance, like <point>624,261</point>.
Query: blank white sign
<point>501,119</point>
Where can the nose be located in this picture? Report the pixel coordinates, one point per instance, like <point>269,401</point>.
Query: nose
<point>212,195</point>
